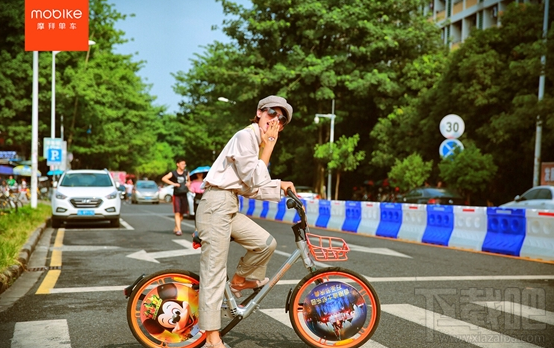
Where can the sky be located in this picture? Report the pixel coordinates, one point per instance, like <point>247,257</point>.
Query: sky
<point>166,34</point>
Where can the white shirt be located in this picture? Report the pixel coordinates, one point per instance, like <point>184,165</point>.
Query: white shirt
<point>239,168</point>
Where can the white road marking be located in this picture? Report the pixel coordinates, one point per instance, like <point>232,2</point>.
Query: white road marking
<point>125,224</point>
<point>457,278</point>
<point>153,256</point>
<point>529,313</point>
<point>43,333</point>
<point>381,251</point>
<point>191,225</point>
<point>296,281</point>
<point>84,248</point>
<point>87,289</point>
<point>460,330</point>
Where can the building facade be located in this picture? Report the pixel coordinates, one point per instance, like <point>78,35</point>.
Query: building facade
<point>457,18</point>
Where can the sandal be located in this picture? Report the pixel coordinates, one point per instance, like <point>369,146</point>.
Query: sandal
<point>207,345</point>
<point>178,233</point>
<point>247,284</point>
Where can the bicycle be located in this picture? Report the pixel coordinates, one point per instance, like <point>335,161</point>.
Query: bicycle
<point>9,201</point>
<point>331,306</point>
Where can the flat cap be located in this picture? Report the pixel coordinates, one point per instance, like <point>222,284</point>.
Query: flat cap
<point>276,101</point>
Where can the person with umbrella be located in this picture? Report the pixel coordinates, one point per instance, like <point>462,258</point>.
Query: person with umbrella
<point>197,179</point>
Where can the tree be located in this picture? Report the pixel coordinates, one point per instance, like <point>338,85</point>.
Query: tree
<point>107,111</point>
<point>411,172</point>
<point>491,81</point>
<point>469,171</point>
<point>340,156</point>
<point>310,52</point>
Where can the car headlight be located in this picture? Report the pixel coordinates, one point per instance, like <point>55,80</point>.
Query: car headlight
<point>112,195</point>
<point>60,195</point>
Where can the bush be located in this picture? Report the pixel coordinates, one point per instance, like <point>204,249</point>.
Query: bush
<point>15,229</point>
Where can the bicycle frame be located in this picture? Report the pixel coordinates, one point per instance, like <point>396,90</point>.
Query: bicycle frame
<point>251,303</point>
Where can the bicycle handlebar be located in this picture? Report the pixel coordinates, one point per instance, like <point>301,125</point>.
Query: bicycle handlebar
<point>296,203</point>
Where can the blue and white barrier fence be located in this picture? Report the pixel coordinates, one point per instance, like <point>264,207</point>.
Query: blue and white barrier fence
<point>517,232</point>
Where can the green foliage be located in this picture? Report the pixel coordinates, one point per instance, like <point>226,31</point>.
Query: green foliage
<point>340,156</point>
<point>469,171</point>
<point>108,116</point>
<point>358,53</point>
<point>15,230</point>
<point>492,82</point>
<point>411,172</point>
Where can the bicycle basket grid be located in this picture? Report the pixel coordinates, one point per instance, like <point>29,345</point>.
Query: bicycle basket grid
<point>323,249</point>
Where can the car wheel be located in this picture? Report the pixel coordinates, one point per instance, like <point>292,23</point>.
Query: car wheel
<point>114,222</point>
<point>56,223</point>
<point>168,198</point>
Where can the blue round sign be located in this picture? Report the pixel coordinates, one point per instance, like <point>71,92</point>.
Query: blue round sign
<point>447,147</point>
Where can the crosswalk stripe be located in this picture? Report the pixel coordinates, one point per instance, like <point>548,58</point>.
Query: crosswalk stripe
<point>518,309</point>
<point>43,333</point>
<point>458,329</point>
<point>282,317</point>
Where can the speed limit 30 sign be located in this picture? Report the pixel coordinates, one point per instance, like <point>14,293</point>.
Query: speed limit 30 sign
<point>452,126</point>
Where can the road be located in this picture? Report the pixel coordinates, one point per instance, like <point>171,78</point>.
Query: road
<point>431,296</point>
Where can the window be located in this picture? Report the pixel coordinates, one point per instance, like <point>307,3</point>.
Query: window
<point>146,185</point>
<point>529,195</point>
<point>86,180</point>
<point>544,194</point>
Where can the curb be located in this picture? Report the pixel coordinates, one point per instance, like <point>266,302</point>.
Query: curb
<point>14,271</point>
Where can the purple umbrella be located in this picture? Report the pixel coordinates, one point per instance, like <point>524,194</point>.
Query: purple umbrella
<point>6,170</point>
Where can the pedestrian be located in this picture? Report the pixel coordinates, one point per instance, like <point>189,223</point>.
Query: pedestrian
<point>11,181</point>
<point>129,190</point>
<point>241,168</point>
<point>197,189</point>
<point>180,179</point>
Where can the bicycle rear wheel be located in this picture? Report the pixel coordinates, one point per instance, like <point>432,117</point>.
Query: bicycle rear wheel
<point>162,310</point>
<point>334,307</point>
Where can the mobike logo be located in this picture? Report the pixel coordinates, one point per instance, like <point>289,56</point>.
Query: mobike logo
<point>56,25</point>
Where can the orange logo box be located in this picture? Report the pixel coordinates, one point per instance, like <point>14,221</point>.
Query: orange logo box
<point>56,25</point>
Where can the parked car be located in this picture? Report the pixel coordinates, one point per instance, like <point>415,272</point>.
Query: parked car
<point>145,191</point>
<point>166,195</point>
<point>539,197</point>
<point>307,192</point>
<point>121,190</point>
<point>432,195</point>
<point>86,195</point>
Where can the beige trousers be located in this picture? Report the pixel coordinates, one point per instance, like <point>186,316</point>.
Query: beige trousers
<point>217,220</point>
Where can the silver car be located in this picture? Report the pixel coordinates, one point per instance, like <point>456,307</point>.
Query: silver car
<point>145,191</point>
<point>539,197</point>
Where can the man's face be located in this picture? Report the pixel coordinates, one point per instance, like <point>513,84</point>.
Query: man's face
<point>181,165</point>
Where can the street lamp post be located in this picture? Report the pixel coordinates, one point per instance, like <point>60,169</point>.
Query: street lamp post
<point>331,139</point>
<point>53,121</point>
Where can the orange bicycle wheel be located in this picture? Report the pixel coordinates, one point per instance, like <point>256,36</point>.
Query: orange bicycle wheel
<point>162,310</point>
<point>334,307</point>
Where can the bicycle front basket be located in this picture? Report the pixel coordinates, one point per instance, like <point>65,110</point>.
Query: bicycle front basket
<point>327,248</point>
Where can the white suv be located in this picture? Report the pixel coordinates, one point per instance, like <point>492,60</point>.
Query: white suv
<point>86,195</point>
